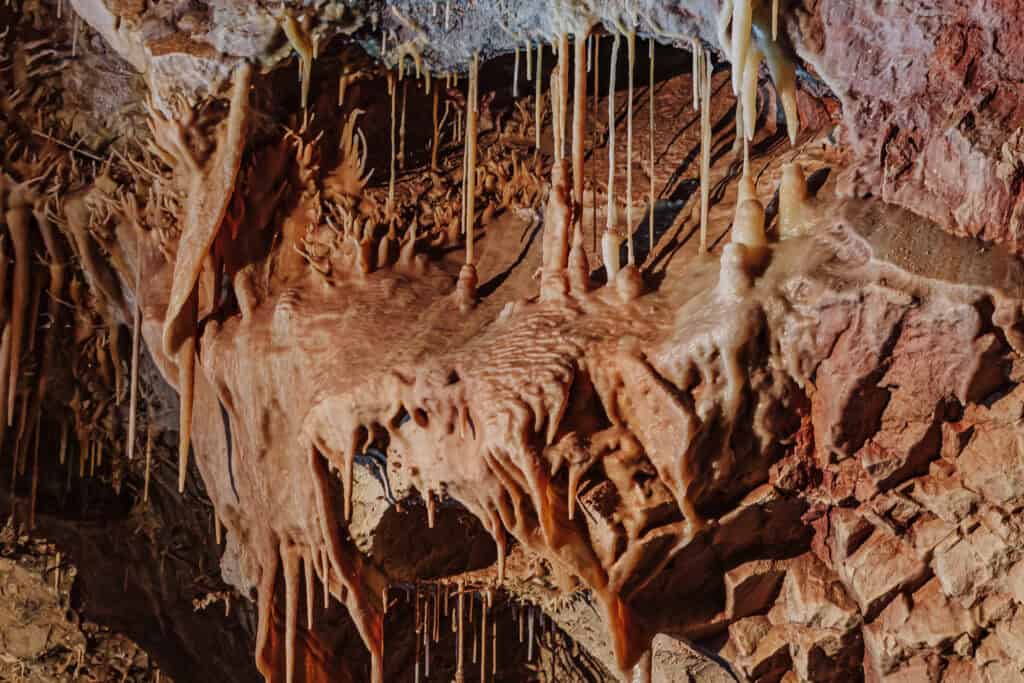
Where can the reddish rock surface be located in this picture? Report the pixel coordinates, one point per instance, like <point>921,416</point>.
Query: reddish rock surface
<point>932,104</point>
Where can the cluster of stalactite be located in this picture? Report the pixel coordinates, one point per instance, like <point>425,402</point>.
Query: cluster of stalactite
<point>202,194</point>
<point>66,377</point>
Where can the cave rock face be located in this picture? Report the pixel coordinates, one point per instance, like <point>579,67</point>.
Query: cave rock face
<point>931,105</point>
<point>796,457</point>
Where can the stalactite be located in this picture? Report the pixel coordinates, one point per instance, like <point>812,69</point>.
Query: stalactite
<point>417,644</point>
<point>631,58</point>
<point>579,125</point>
<point>564,58</point>
<point>515,75</point>
<point>749,92</point>
<point>610,241</point>
<point>307,563</point>
<point>426,638</point>
<point>401,126</point>
<point>133,391</point>
<point>460,666</point>
<point>342,87</point>
<point>471,133</point>
<point>537,102</point>
<point>114,349</point>
<point>775,19</point>
<point>529,61</point>
<point>186,388</point>
<point>149,461</point>
<point>483,641</point>
<point>472,608</point>
<point>696,59</point>
<point>63,440</point>
<point>436,139</point>
<point>291,619</point>
<point>529,634</point>
<point>391,177</point>
<point>18,227</point>
<point>436,627</point>
<point>554,91</point>
<point>705,151</point>
<point>327,580</point>
<point>650,131</point>
<point>783,72</point>
<point>300,41</point>
<point>742,21</point>
<point>593,115</point>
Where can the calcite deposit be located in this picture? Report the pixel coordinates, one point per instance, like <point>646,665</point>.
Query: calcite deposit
<point>569,341</point>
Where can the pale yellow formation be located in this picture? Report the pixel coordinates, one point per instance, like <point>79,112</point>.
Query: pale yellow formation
<point>783,72</point>
<point>749,92</point>
<point>793,216</point>
<point>742,22</point>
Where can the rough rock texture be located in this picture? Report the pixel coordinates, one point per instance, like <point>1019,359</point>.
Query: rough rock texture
<point>42,636</point>
<point>931,106</point>
<point>792,461</point>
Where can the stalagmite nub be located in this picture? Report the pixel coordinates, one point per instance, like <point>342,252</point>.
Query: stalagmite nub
<point>792,200</point>
<point>748,225</point>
